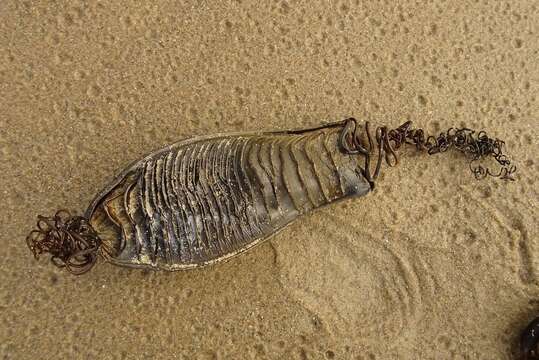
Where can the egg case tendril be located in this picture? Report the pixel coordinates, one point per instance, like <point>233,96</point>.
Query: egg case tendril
<point>71,241</point>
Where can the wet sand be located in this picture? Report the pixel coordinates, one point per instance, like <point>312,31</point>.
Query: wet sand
<point>432,265</point>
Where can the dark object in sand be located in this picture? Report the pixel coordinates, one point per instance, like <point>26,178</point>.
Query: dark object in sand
<point>529,341</point>
<point>207,199</point>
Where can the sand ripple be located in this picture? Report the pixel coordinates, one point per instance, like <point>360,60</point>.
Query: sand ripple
<point>354,279</point>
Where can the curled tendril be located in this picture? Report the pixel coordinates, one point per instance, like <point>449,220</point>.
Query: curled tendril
<point>474,145</point>
<point>71,241</point>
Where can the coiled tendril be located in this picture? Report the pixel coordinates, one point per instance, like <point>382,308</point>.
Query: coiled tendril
<point>71,241</point>
<point>474,145</point>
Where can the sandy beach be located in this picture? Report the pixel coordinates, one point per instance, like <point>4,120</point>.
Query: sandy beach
<point>431,265</point>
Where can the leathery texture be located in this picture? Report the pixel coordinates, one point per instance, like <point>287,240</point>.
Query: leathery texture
<point>207,199</point>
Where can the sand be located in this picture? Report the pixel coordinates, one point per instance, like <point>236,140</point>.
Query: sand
<point>432,265</point>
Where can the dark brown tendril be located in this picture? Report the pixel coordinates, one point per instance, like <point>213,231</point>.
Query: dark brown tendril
<point>475,145</point>
<point>71,241</point>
